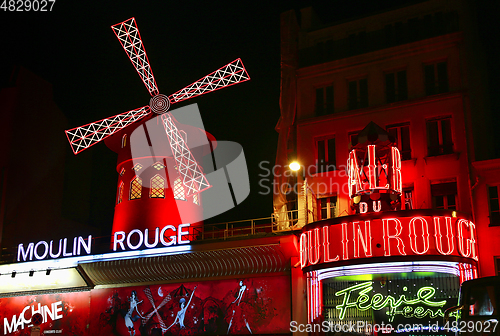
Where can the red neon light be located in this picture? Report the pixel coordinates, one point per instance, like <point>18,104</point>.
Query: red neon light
<point>314,247</point>
<point>354,178</point>
<point>372,177</point>
<point>332,241</point>
<point>127,32</point>
<point>130,39</point>
<point>387,236</point>
<point>230,74</point>
<point>83,137</point>
<point>314,296</point>
<point>470,250</point>
<point>187,167</point>
<point>449,236</point>
<point>326,246</point>
<point>424,235</point>
<point>396,170</point>
<point>365,239</point>
<point>303,249</point>
<point>345,241</point>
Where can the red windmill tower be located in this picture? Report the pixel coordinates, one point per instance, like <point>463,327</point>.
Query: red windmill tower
<point>158,185</point>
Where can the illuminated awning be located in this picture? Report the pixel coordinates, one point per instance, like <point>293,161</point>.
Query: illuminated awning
<point>268,258</point>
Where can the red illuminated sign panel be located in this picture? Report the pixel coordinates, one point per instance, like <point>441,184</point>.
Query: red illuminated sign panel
<point>392,235</point>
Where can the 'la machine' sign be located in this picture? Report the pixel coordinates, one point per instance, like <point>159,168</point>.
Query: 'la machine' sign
<point>390,234</point>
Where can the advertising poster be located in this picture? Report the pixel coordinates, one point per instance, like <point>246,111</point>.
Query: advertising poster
<point>236,306</point>
<point>63,314</point>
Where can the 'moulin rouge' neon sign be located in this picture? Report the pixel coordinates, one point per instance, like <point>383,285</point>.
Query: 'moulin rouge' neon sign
<point>420,307</point>
<point>374,170</point>
<point>404,234</point>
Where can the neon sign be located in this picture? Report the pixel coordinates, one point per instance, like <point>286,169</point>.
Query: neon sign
<point>169,235</point>
<point>136,238</point>
<point>360,237</point>
<point>54,311</point>
<point>374,171</point>
<point>41,250</point>
<point>419,307</point>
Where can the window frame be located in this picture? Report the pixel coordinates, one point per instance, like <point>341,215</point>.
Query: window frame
<point>153,193</point>
<point>326,107</point>
<point>400,90</point>
<point>331,210</point>
<point>441,146</point>
<point>445,196</point>
<point>399,139</point>
<point>412,199</point>
<point>439,83</point>
<point>326,140</point>
<point>490,211</point>
<point>357,101</point>
<point>139,181</point>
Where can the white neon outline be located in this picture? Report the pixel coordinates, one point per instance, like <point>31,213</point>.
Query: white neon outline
<point>449,236</point>
<point>130,39</point>
<point>413,235</point>
<point>366,239</point>
<point>387,244</point>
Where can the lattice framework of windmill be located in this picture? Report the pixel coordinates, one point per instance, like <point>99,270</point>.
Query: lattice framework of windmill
<point>193,178</point>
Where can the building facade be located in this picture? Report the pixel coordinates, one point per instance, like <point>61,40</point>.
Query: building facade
<point>413,78</point>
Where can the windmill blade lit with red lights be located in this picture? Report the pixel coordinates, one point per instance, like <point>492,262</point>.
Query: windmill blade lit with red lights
<point>88,135</point>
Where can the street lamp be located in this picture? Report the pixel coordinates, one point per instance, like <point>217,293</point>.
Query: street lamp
<point>295,166</point>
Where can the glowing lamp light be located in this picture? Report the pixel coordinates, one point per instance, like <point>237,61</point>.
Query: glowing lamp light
<point>295,166</point>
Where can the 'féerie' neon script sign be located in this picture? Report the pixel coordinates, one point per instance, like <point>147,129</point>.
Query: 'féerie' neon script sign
<point>400,306</point>
<point>348,238</point>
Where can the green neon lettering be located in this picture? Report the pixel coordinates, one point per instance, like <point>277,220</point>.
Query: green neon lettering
<point>377,302</point>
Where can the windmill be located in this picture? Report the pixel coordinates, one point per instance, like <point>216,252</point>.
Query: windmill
<point>83,137</point>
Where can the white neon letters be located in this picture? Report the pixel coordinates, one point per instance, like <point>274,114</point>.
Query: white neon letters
<point>42,249</point>
<point>169,235</point>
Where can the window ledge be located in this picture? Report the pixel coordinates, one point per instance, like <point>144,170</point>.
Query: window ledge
<point>455,155</point>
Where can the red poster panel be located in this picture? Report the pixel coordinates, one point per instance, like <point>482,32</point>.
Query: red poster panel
<point>237,306</point>
<point>63,314</point>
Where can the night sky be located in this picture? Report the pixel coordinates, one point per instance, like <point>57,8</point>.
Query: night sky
<point>74,48</point>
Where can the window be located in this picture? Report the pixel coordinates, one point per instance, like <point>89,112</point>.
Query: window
<point>436,78</point>
<point>494,206</point>
<point>157,187</point>
<point>137,167</point>
<point>324,100</point>
<point>353,138</point>
<point>401,134</point>
<point>196,199</point>
<point>120,193</point>
<point>179,190</point>
<point>407,198</point>
<point>327,206</point>
<point>396,86</point>
<point>444,195</point>
<point>439,139</point>
<point>326,155</point>
<point>136,188</point>
<point>158,166</point>
<point>358,94</point>
<point>122,171</point>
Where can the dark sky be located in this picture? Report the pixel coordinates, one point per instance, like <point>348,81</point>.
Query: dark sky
<point>74,48</point>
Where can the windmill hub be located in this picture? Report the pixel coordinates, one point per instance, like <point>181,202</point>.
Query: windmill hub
<point>159,104</point>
